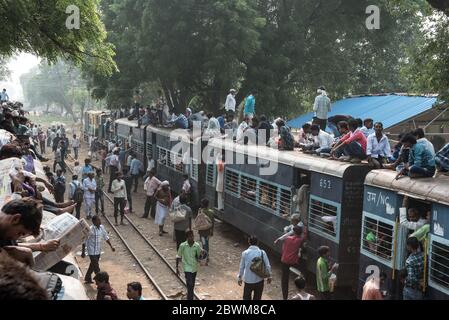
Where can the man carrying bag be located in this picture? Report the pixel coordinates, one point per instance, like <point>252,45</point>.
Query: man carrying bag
<point>254,269</point>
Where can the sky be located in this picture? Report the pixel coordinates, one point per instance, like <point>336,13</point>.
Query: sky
<point>18,65</point>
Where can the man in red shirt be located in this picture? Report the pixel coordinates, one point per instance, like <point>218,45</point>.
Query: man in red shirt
<point>290,257</point>
<point>352,145</point>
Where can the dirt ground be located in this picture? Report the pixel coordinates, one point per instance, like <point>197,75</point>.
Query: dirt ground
<point>218,281</point>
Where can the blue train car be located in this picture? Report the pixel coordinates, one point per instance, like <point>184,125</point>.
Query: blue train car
<point>383,247</point>
<point>262,204</point>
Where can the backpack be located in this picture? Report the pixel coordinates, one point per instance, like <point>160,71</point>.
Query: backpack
<point>60,185</point>
<point>202,222</point>
<point>78,195</point>
<point>258,266</point>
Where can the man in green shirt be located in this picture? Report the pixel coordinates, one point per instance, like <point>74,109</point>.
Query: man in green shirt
<point>323,272</point>
<point>189,252</point>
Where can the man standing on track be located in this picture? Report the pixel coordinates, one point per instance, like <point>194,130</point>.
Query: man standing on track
<point>119,190</point>
<point>114,167</point>
<point>93,243</point>
<point>89,187</point>
<point>75,145</point>
<point>135,168</point>
<point>188,253</point>
<point>151,185</point>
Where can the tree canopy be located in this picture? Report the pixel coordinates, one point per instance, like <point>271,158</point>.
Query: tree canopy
<point>39,27</point>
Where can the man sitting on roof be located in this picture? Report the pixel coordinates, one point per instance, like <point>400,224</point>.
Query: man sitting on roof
<point>367,128</point>
<point>421,163</point>
<point>378,148</point>
<point>442,159</point>
<point>352,145</point>
<point>322,141</point>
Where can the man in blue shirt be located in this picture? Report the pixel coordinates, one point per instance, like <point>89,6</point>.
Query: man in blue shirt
<point>250,105</point>
<point>4,96</point>
<point>421,163</point>
<point>135,168</point>
<point>442,159</point>
<point>254,284</point>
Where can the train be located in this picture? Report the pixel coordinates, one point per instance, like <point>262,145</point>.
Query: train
<point>333,199</point>
<point>95,124</point>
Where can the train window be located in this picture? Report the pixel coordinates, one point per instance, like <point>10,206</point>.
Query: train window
<point>267,195</point>
<point>323,217</point>
<point>194,171</point>
<point>378,238</point>
<point>210,175</point>
<point>232,182</point>
<point>285,203</point>
<point>248,187</point>
<point>162,156</point>
<point>149,150</point>
<point>439,263</point>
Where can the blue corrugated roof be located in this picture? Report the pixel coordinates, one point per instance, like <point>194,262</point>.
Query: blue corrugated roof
<point>389,109</point>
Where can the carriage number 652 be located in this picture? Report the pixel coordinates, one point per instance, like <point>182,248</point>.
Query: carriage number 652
<point>325,184</point>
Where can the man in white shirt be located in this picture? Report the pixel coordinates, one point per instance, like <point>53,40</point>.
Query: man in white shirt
<point>241,130</point>
<point>367,128</point>
<point>230,101</point>
<point>120,197</point>
<point>378,147</point>
<point>93,243</point>
<point>322,140</point>
<point>75,145</point>
<point>150,186</point>
<point>89,187</point>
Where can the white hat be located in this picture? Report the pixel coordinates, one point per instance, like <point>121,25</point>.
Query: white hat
<point>189,110</point>
<point>232,90</point>
<point>165,183</point>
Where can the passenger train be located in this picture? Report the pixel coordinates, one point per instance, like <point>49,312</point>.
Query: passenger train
<point>94,124</point>
<point>335,201</point>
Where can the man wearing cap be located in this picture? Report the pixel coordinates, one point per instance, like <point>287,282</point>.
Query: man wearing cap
<point>230,101</point>
<point>321,108</point>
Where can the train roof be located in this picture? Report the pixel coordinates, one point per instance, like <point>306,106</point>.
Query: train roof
<point>184,133</point>
<point>295,158</point>
<point>98,111</point>
<point>126,122</point>
<point>429,189</point>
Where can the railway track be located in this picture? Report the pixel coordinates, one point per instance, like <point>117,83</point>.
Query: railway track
<point>149,258</point>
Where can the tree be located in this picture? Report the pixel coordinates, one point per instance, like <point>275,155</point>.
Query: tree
<point>59,84</point>
<point>39,27</point>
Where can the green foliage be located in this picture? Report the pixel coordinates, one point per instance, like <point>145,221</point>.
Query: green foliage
<point>58,85</point>
<point>39,27</point>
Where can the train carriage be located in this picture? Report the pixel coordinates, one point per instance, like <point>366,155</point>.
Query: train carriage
<point>94,124</point>
<point>126,129</point>
<point>262,204</point>
<point>172,149</point>
<point>383,246</point>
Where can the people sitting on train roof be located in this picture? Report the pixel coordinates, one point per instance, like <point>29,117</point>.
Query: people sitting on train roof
<point>244,125</point>
<point>213,126</point>
<point>421,138</point>
<point>414,220</point>
<point>285,140</point>
<point>421,162</point>
<point>442,160</point>
<point>368,127</point>
<point>322,143</point>
<point>264,130</point>
<point>230,126</point>
<point>351,147</point>
<point>179,122</point>
<point>378,147</point>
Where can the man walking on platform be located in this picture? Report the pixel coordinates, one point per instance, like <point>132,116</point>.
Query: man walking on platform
<point>93,243</point>
<point>188,253</point>
<point>151,185</point>
<point>89,187</point>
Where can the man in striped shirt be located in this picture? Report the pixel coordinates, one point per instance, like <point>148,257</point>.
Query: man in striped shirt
<point>93,243</point>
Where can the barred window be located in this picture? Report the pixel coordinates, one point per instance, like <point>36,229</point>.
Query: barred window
<point>232,182</point>
<point>378,238</point>
<point>195,169</point>
<point>267,196</point>
<point>248,187</point>
<point>149,150</point>
<point>439,264</point>
<point>323,217</point>
<point>162,156</point>
<point>138,147</point>
<point>285,205</point>
<point>210,175</point>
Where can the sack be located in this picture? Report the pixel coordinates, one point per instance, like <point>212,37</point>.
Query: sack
<point>126,210</point>
<point>202,222</point>
<point>52,283</point>
<point>78,195</point>
<point>178,214</point>
<point>258,267</point>
<point>332,282</point>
